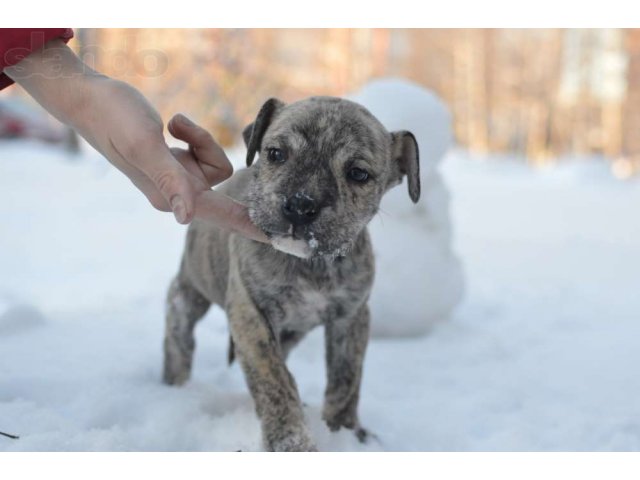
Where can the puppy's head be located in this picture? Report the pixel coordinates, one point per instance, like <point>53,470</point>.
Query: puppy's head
<point>324,164</point>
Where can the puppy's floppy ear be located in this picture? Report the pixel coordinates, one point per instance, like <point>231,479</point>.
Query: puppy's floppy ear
<point>406,158</point>
<point>253,133</point>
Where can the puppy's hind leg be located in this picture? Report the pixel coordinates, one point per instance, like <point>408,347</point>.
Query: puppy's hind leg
<point>185,306</point>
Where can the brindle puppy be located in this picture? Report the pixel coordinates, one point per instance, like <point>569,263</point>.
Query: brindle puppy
<point>324,164</point>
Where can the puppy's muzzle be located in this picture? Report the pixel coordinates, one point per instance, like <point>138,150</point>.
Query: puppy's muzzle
<point>300,209</point>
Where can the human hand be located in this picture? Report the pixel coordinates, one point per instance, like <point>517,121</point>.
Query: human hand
<point>208,162</point>
<point>121,124</point>
<point>128,131</point>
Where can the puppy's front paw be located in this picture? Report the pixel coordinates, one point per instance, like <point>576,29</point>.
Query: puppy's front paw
<point>335,418</point>
<point>298,441</point>
<point>348,421</point>
<point>290,445</point>
<point>175,376</point>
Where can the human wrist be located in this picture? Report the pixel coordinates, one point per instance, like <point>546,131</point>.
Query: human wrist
<point>56,78</point>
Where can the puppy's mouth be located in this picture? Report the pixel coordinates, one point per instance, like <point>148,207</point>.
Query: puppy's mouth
<point>298,241</point>
<point>300,233</point>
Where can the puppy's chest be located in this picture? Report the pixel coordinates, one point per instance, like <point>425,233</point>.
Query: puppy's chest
<point>309,309</point>
<point>300,308</point>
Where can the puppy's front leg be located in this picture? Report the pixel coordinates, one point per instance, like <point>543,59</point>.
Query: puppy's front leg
<point>272,386</point>
<point>345,341</point>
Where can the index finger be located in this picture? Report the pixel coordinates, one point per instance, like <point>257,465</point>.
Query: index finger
<point>227,213</point>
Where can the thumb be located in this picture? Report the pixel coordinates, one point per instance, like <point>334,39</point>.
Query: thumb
<point>211,158</point>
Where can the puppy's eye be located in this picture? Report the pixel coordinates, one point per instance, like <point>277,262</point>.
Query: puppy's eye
<point>358,175</point>
<point>276,155</point>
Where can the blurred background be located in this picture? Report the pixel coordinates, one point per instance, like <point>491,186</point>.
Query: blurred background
<point>542,94</point>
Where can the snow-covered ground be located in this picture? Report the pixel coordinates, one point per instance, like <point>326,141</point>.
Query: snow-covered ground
<point>542,354</point>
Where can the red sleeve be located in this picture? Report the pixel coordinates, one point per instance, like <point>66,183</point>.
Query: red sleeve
<point>18,43</point>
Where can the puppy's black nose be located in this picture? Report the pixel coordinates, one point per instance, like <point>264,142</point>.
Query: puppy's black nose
<point>300,209</point>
